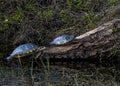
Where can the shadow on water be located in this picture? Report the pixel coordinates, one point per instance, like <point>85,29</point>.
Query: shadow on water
<point>57,72</point>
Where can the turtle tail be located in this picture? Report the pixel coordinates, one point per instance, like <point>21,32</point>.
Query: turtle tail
<point>9,58</point>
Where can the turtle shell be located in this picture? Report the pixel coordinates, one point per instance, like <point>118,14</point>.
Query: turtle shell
<point>23,50</point>
<point>63,39</point>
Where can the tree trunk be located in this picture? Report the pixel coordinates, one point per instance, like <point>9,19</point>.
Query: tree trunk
<point>100,40</point>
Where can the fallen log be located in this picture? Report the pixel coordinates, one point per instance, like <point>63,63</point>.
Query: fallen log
<point>102,39</point>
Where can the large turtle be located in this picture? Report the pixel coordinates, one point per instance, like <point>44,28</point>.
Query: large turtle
<point>63,39</point>
<point>24,50</point>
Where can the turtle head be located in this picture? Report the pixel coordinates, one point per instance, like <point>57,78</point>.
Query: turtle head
<point>9,58</point>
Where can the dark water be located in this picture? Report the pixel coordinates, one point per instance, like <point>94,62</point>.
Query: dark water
<point>58,74</point>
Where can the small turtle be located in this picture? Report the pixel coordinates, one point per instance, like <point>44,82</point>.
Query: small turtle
<point>63,39</point>
<point>23,50</point>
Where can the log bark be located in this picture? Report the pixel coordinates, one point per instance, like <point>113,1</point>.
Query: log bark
<point>100,40</point>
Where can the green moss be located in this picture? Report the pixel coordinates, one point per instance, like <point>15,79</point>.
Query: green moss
<point>47,14</point>
<point>65,17</point>
<point>4,27</point>
<point>89,20</point>
<point>18,15</point>
<point>77,4</point>
<point>39,12</point>
<point>112,2</point>
<point>29,7</point>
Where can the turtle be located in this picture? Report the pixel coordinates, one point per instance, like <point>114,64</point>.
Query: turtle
<point>62,40</point>
<point>23,50</point>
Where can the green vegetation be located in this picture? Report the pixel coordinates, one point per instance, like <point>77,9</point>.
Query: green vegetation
<point>112,2</point>
<point>37,21</point>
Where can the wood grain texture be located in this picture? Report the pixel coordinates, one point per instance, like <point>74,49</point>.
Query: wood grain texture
<point>99,40</point>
